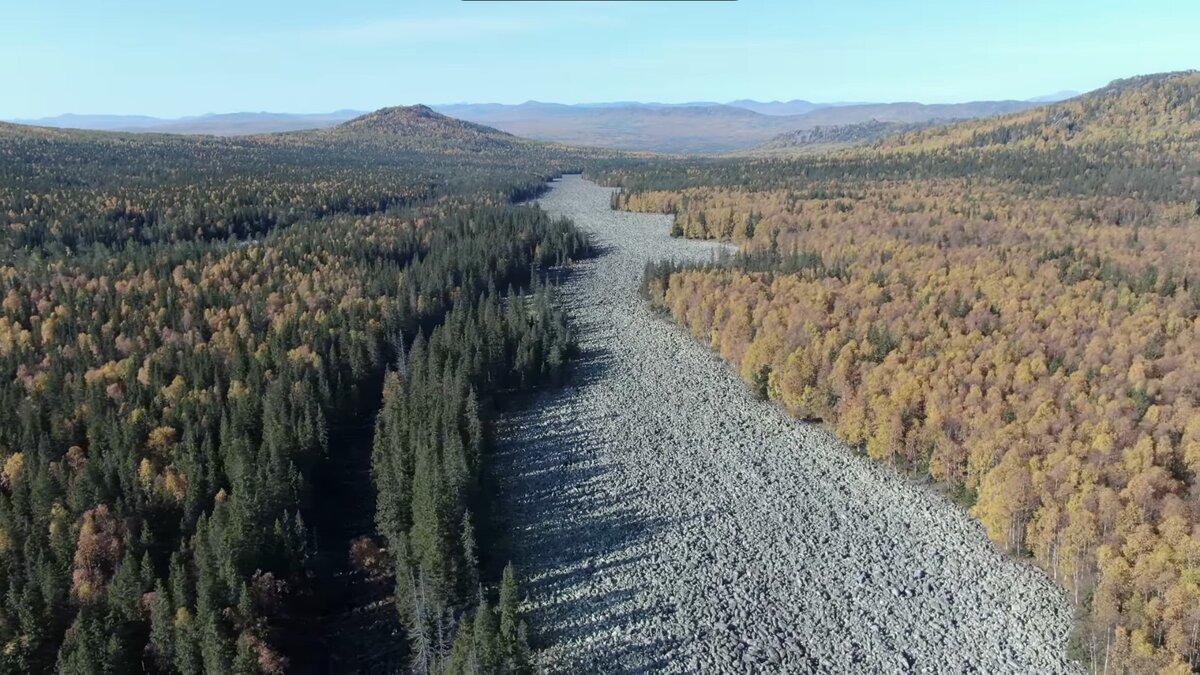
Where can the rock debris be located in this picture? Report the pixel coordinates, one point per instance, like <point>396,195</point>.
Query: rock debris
<point>664,520</point>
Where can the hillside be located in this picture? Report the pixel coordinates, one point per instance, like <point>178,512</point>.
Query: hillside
<point>912,113</point>
<point>888,120</point>
<point>420,127</point>
<point>1139,111</point>
<point>416,119</point>
<point>828,138</point>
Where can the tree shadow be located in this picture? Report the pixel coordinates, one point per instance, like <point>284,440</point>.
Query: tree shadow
<point>571,535</point>
<point>349,623</point>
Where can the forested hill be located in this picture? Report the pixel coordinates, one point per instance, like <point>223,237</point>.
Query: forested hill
<point>836,137</point>
<point>1137,139</point>
<point>1148,109</point>
<point>187,324</point>
<point>421,123</point>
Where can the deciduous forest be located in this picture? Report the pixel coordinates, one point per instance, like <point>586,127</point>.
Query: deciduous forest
<point>1008,307</point>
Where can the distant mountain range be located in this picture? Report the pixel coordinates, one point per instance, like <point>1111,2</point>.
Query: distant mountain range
<point>705,127</point>
<point>694,127</point>
<point>226,124</point>
<point>794,107</point>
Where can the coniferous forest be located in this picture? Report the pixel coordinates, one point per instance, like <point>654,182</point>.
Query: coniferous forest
<point>185,321</point>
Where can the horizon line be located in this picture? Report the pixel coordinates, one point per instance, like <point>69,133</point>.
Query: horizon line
<point>1066,93</point>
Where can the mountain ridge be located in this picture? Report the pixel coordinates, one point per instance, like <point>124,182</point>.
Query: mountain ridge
<point>1141,109</point>
<point>245,123</point>
<point>690,127</point>
<point>714,129</point>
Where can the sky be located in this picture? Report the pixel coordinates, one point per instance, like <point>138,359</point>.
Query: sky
<point>171,58</point>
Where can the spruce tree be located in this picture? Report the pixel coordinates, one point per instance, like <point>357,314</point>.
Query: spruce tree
<point>162,630</point>
<point>509,635</point>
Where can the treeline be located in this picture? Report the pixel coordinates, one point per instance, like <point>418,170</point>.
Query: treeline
<point>66,191</point>
<point>1015,315</point>
<point>428,462</point>
<point>182,320</point>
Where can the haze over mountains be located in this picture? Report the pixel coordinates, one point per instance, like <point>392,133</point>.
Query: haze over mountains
<point>223,124</point>
<point>695,127</point>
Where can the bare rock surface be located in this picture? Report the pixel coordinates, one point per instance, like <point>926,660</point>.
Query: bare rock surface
<point>666,521</point>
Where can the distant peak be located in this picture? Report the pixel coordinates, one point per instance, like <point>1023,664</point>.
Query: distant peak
<point>395,114</point>
<point>418,109</point>
<point>419,120</point>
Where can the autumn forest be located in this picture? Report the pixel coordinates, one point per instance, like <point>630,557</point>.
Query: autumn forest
<point>250,386</point>
<point>1010,307</point>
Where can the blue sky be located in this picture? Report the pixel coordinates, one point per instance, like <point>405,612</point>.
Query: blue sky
<point>174,57</point>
